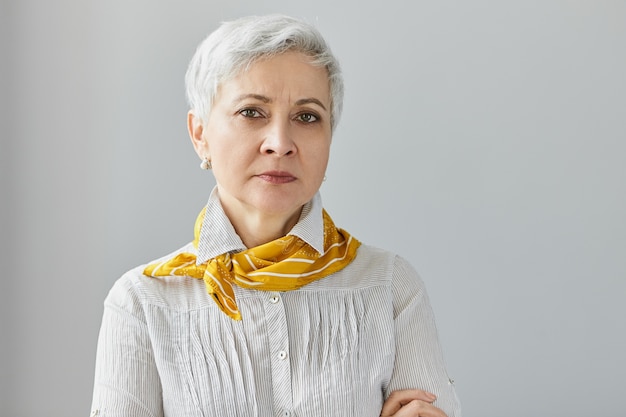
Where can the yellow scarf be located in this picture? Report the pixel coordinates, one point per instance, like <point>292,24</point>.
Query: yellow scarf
<point>283,264</point>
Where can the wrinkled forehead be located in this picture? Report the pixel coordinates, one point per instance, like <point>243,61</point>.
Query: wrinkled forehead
<point>277,76</point>
<point>244,66</point>
<point>261,69</point>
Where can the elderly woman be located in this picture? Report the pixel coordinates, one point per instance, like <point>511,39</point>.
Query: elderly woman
<point>272,310</point>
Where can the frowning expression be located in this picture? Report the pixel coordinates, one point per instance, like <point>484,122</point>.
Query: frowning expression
<point>268,135</point>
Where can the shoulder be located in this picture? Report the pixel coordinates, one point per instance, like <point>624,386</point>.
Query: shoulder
<point>406,285</point>
<point>380,264</point>
<point>378,261</point>
<point>134,291</point>
<point>394,266</point>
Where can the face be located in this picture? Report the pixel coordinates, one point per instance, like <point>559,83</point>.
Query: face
<point>268,136</point>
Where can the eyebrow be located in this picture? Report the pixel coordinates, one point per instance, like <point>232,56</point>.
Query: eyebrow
<point>259,97</point>
<point>309,101</point>
<point>265,99</point>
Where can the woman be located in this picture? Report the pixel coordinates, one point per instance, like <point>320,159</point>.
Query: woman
<point>271,310</point>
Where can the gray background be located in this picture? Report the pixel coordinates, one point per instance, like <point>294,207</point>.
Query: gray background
<point>483,140</point>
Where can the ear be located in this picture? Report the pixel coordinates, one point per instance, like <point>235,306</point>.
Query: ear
<point>196,130</point>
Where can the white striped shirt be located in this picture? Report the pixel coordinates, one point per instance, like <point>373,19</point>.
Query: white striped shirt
<point>336,347</point>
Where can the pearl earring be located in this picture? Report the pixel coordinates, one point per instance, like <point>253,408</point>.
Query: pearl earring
<point>206,164</point>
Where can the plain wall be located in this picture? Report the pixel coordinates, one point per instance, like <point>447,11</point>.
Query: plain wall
<point>485,141</point>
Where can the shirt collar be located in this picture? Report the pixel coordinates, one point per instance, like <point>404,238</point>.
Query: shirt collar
<point>218,236</point>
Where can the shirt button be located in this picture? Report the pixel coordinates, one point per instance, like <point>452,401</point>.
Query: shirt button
<point>282,355</point>
<point>286,413</point>
<point>94,413</point>
<point>274,298</point>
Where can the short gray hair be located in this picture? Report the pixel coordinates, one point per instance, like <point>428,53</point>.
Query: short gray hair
<point>235,45</point>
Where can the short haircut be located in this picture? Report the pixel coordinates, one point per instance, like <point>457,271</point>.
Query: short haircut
<point>235,45</point>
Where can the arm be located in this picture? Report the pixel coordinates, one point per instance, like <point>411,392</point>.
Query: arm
<point>419,360</point>
<point>411,403</point>
<point>126,379</point>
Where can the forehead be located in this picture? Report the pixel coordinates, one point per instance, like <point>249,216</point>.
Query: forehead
<point>290,73</point>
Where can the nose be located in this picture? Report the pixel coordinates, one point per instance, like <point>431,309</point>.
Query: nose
<point>278,140</point>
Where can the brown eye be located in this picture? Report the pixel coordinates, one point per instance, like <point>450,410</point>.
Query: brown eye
<point>307,118</point>
<point>252,113</point>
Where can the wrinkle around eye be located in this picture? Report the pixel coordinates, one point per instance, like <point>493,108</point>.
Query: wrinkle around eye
<point>250,113</point>
<point>307,118</point>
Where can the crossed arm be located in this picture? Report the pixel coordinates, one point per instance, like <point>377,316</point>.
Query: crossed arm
<point>411,403</point>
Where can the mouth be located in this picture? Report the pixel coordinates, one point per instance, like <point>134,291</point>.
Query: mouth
<point>277,177</point>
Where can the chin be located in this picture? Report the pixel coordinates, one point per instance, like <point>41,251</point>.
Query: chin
<point>274,208</point>
<point>279,203</point>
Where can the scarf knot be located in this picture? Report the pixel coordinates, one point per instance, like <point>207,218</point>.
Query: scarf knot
<point>284,264</point>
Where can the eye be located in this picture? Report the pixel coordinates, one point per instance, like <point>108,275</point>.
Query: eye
<point>307,118</point>
<point>251,113</point>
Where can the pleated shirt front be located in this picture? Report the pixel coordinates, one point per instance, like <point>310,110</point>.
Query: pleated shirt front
<point>336,347</point>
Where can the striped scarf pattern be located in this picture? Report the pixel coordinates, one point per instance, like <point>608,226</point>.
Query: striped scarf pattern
<point>284,264</point>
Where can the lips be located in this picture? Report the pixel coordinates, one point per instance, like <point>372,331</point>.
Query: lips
<point>277,177</point>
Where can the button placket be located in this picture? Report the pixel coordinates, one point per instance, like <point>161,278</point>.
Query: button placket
<point>278,339</point>
<point>274,298</point>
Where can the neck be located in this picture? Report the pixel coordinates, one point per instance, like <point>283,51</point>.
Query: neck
<point>256,229</point>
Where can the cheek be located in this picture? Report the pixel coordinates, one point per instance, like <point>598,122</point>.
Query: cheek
<point>318,160</point>
<point>323,153</point>
<point>228,148</point>
<point>230,161</point>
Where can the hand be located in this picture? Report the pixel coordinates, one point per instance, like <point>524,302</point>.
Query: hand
<point>411,403</point>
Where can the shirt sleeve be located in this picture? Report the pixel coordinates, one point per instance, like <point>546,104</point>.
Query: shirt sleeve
<point>126,378</point>
<point>419,359</point>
